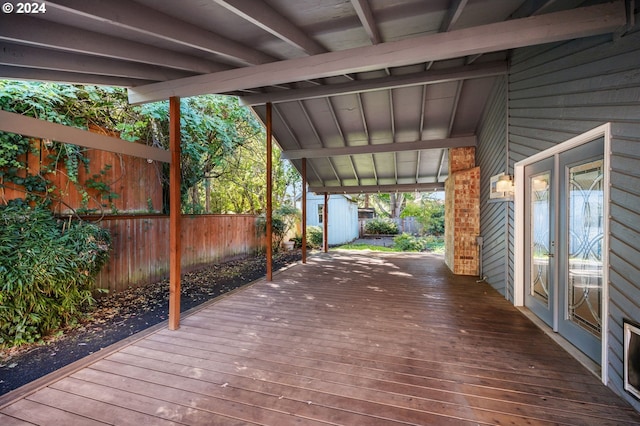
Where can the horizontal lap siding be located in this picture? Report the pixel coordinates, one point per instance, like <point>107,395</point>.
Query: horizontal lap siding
<point>561,90</point>
<point>492,158</point>
<point>140,246</point>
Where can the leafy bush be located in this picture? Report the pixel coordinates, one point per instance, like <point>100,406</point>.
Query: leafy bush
<point>407,242</point>
<point>282,221</point>
<point>381,226</point>
<point>47,271</point>
<point>314,236</point>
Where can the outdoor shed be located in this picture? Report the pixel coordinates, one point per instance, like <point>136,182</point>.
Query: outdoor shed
<point>343,216</point>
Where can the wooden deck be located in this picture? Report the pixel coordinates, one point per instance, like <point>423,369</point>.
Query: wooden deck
<point>347,339</point>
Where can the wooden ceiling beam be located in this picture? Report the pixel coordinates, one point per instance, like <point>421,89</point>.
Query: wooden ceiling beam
<point>295,154</point>
<point>264,16</point>
<point>36,74</point>
<point>453,14</point>
<point>488,69</point>
<point>370,189</point>
<point>365,14</point>
<point>575,23</point>
<point>32,57</point>
<point>148,21</point>
<point>33,127</point>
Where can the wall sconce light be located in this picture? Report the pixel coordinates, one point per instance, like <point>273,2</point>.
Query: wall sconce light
<point>505,184</point>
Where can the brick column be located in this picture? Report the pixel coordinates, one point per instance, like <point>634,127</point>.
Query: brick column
<point>462,212</point>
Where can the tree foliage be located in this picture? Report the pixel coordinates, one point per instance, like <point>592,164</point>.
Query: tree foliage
<point>429,212</point>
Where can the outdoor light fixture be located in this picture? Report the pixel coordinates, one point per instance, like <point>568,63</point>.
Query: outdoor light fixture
<point>505,184</point>
<point>502,187</point>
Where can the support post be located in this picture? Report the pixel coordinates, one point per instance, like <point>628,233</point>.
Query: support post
<point>174,214</point>
<point>304,210</point>
<point>269,196</point>
<point>325,224</point>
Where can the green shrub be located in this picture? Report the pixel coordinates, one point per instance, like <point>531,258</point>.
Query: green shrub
<point>381,226</point>
<point>47,271</point>
<point>314,236</point>
<point>407,242</point>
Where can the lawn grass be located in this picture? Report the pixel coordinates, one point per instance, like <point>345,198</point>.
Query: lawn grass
<point>434,245</point>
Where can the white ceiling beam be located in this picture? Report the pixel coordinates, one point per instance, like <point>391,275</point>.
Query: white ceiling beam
<point>488,69</point>
<point>18,73</point>
<point>457,142</point>
<point>136,17</point>
<point>33,127</point>
<point>575,23</point>
<point>453,14</point>
<point>264,16</point>
<point>39,33</point>
<point>365,14</point>
<point>32,57</point>
<point>362,189</point>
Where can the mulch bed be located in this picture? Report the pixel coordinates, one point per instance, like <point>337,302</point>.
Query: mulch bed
<point>120,315</point>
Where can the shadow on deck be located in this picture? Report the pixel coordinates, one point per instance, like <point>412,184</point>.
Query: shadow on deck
<point>350,338</point>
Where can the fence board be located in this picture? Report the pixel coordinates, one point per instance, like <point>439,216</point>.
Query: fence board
<point>140,253</point>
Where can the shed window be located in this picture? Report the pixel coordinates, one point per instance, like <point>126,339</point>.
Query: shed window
<point>320,212</point>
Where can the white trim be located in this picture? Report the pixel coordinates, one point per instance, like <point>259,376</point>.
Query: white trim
<point>519,209</point>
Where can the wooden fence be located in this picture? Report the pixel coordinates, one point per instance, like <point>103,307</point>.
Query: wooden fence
<point>140,253</point>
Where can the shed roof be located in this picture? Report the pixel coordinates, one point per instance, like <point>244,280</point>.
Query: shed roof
<point>372,92</point>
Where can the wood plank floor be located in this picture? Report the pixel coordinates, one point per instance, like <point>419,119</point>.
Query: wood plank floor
<point>350,338</point>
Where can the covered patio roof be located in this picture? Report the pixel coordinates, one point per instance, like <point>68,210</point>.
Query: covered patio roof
<point>372,93</point>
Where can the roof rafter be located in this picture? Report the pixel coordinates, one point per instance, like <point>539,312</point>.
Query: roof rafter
<point>295,139</point>
<point>453,14</point>
<point>575,23</point>
<point>317,135</point>
<point>18,73</point>
<point>34,127</point>
<point>488,69</point>
<point>32,57</point>
<point>146,20</point>
<point>262,15</point>
<point>37,32</point>
<point>380,148</point>
<point>365,14</point>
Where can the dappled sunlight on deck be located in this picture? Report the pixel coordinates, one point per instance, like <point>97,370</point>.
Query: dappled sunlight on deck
<point>346,339</point>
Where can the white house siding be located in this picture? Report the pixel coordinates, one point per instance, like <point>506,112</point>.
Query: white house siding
<point>558,91</point>
<point>343,217</point>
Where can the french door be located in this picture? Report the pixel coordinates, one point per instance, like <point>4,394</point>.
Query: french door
<point>564,225</point>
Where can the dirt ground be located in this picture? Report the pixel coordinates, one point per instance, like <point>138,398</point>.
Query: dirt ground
<point>120,315</point>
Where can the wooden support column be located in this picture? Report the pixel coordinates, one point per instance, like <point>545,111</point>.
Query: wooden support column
<point>325,223</point>
<point>174,214</point>
<point>304,210</point>
<point>269,196</point>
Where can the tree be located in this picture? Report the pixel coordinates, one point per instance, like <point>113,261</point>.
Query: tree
<point>429,212</point>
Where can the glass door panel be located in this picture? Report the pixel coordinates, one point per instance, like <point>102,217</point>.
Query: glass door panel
<point>540,210</point>
<point>540,222</point>
<point>585,218</point>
